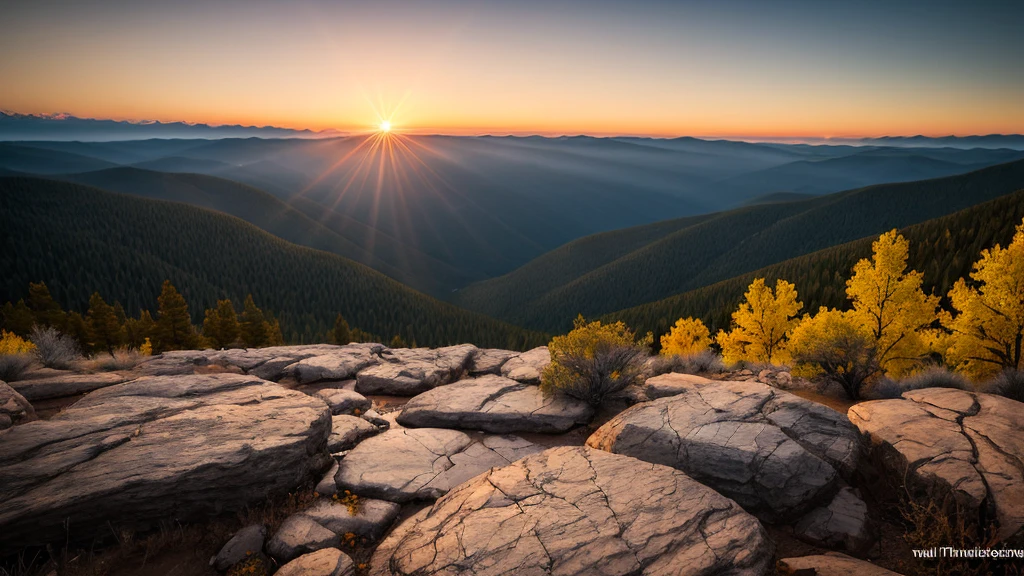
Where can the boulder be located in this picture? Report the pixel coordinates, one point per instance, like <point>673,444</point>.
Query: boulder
<point>340,363</point>
<point>578,511</point>
<point>326,485</point>
<point>347,431</point>
<point>948,442</point>
<point>409,371</point>
<point>132,454</point>
<point>422,464</point>
<point>376,419</point>
<point>671,384</point>
<point>843,524</point>
<point>371,517</point>
<point>69,384</point>
<point>298,535</point>
<point>343,401</point>
<point>830,564</point>
<point>14,408</point>
<point>489,361</point>
<point>776,454</point>
<point>242,545</point>
<point>494,404</point>
<point>325,562</point>
<point>527,367</point>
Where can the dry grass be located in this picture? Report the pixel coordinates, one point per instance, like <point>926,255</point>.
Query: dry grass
<point>121,359</point>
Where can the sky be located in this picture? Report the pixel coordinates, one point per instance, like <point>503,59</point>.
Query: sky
<point>730,68</point>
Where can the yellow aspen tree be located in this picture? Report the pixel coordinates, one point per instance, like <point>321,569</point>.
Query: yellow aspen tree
<point>761,324</point>
<point>888,302</point>
<point>688,336</point>
<point>988,328</point>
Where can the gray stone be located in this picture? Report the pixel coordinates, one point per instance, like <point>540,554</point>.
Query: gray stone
<point>671,384</point>
<point>494,404</point>
<point>371,519</point>
<point>489,361</point>
<point>342,363</point>
<point>843,524</point>
<point>243,544</point>
<point>325,562</point>
<point>65,385</point>
<point>527,367</point>
<point>409,371</point>
<point>14,408</point>
<point>326,486</point>
<point>347,431</point>
<point>422,464</point>
<point>830,564</point>
<point>577,511</point>
<point>344,401</point>
<point>776,454</point>
<point>945,442</point>
<point>298,535</point>
<point>136,453</point>
<point>373,417</point>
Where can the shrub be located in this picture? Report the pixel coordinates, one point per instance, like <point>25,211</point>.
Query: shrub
<point>934,377</point>
<point>12,366</point>
<point>53,349</point>
<point>705,362</point>
<point>688,336</point>
<point>594,361</point>
<point>11,343</point>
<point>121,359</point>
<point>833,347</point>
<point>1008,383</point>
<point>147,348</point>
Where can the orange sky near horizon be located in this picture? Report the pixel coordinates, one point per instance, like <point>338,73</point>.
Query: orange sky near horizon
<point>493,68</point>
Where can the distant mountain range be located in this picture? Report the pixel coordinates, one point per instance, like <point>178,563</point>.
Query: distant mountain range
<point>15,126</point>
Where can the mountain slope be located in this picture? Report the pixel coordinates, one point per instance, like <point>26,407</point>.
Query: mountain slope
<point>732,243</point>
<point>943,249</point>
<point>31,160</point>
<point>80,239</point>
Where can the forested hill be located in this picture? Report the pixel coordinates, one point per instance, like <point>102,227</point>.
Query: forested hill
<point>725,245</point>
<point>943,249</point>
<point>80,239</point>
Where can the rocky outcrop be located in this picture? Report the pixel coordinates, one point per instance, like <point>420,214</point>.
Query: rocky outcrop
<point>578,511</point>
<point>409,371</point>
<point>14,408</point>
<point>155,448</point>
<point>244,544</point>
<point>339,363</point>
<point>843,524</point>
<point>404,465</point>
<point>489,361</point>
<point>671,384</point>
<point>494,404</point>
<point>347,431</point>
<point>776,454</point>
<point>326,562</point>
<point>300,535</point>
<point>69,384</point>
<point>830,564</point>
<point>953,442</point>
<point>343,401</point>
<point>365,518</point>
<point>527,367</point>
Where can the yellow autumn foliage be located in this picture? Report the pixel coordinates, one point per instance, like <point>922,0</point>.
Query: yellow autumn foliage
<point>688,336</point>
<point>11,343</point>
<point>761,324</point>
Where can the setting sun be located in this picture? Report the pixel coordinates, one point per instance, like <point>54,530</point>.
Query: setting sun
<point>385,126</point>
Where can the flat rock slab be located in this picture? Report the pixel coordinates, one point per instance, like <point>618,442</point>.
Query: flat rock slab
<point>326,562</point>
<point>494,404</point>
<point>341,363</point>
<point>843,524</point>
<point>527,367</point>
<point>343,401</point>
<point>423,464</point>
<point>489,361</point>
<point>671,385</point>
<point>776,454</point>
<point>347,431</point>
<point>14,408</point>
<point>953,442</point>
<point>578,511</point>
<point>65,385</point>
<point>830,564</point>
<point>269,363</point>
<point>409,371</point>
<point>371,518</point>
<point>300,535</point>
<point>181,447</point>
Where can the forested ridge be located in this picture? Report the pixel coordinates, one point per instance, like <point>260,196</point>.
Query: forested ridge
<point>943,249</point>
<point>80,240</point>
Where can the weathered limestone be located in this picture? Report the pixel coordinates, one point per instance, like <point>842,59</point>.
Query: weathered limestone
<point>135,453</point>
<point>671,384</point>
<point>300,535</point>
<point>527,367</point>
<point>578,511</point>
<point>347,431</point>
<point>14,408</point>
<point>774,453</point>
<point>372,517</point>
<point>409,371</point>
<point>325,562</point>
<point>843,524</point>
<point>65,385</point>
<point>343,401</point>
<point>489,361</point>
<point>422,464</point>
<point>340,363</point>
<point>953,442</point>
<point>494,404</point>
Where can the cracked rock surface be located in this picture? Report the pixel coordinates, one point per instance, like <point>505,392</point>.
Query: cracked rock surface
<point>843,524</point>
<point>326,562</point>
<point>14,408</point>
<point>494,404</point>
<point>61,385</point>
<point>347,431</point>
<point>774,453</point>
<point>423,464</point>
<point>180,447</point>
<point>409,371</point>
<point>344,401</point>
<point>671,384</point>
<point>947,441</point>
<point>577,511</point>
<point>527,367</point>
<point>489,361</point>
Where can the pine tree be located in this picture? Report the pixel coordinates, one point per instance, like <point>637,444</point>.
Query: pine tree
<point>173,330</point>
<point>398,342</point>
<point>77,328</point>
<point>18,318</point>
<point>221,325</point>
<point>137,330</point>
<point>341,333</point>
<point>104,330</point>
<point>253,325</point>
<point>45,310</point>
